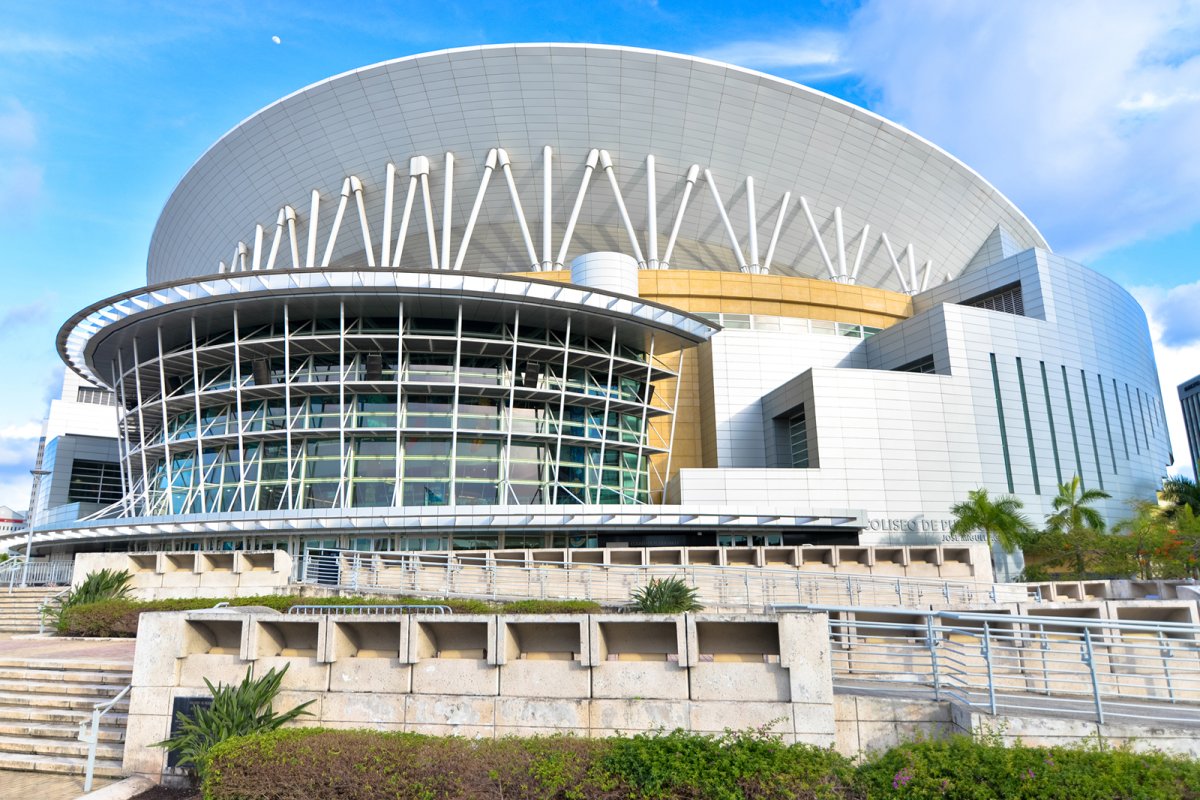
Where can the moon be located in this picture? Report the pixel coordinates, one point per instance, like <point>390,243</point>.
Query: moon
<point>276,39</point>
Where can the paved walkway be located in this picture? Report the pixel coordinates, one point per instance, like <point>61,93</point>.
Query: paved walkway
<point>41,786</point>
<point>55,649</point>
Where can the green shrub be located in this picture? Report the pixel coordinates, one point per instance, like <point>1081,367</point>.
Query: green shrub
<point>729,767</point>
<point>119,618</point>
<point>237,710</point>
<point>960,767</point>
<point>551,607</point>
<point>665,596</point>
<point>315,764</point>
<point>107,584</point>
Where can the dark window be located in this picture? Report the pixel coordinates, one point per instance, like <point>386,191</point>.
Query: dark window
<point>94,482</point>
<point>1007,299</point>
<point>924,364</point>
<point>100,397</point>
<point>798,438</point>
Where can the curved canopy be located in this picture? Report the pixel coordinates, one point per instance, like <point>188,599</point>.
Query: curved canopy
<point>504,105</point>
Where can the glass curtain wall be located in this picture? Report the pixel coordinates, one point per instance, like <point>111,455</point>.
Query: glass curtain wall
<point>364,412</point>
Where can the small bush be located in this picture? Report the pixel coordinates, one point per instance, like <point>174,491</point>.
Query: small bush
<point>665,596</point>
<point>551,607</point>
<point>960,767</point>
<point>315,764</point>
<point>237,710</point>
<point>107,584</point>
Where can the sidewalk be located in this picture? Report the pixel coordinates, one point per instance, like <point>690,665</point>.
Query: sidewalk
<point>55,649</point>
<point>42,786</point>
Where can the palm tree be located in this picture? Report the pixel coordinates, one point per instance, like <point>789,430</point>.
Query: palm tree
<point>999,520</point>
<point>1075,528</point>
<point>1178,492</point>
<point>1073,511</point>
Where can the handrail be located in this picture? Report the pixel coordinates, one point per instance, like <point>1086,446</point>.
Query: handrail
<point>10,569</point>
<point>92,738</point>
<point>1000,616</point>
<point>379,609</point>
<point>44,606</point>
<point>1089,668</point>
<point>39,571</point>
<point>449,574</point>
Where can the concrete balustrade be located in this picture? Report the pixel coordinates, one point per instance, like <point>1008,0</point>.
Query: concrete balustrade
<point>961,562</point>
<point>496,675</point>
<point>223,573</point>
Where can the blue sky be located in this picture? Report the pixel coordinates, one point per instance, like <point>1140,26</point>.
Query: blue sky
<point>1086,114</point>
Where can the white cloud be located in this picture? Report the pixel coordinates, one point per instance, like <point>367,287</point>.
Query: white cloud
<point>813,52</point>
<point>18,444</point>
<point>21,178</point>
<point>17,128</point>
<point>1084,112</point>
<point>17,43</point>
<point>1178,357</point>
<point>15,489</point>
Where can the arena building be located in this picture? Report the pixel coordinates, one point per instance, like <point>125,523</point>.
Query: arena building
<point>593,296</point>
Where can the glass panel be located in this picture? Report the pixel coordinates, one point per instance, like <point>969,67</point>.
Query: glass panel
<point>426,493</point>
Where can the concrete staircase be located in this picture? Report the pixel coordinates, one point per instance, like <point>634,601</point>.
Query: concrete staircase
<point>19,608</point>
<point>41,705</point>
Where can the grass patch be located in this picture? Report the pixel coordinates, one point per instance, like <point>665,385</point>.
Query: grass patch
<point>118,618</point>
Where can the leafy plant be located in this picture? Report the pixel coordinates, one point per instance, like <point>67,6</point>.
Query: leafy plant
<point>1179,492</point>
<point>236,710</point>
<point>999,520</point>
<point>107,584</point>
<point>666,596</point>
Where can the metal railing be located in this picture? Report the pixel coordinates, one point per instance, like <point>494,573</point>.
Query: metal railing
<point>751,588</point>
<point>1091,668</point>
<point>371,610</point>
<point>41,572</point>
<point>90,735</point>
<point>45,606</point>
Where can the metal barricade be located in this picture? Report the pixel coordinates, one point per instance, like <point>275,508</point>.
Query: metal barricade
<point>1089,668</point>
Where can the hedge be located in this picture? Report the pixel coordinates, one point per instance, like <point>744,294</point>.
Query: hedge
<point>322,764</point>
<point>119,618</point>
<point>960,767</point>
<point>319,764</point>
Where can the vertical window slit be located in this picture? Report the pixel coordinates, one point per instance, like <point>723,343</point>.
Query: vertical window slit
<point>1050,417</point>
<point>1003,432</point>
<point>1132,419</point>
<point>1112,450</point>
<point>1037,484</point>
<point>1087,403</point>
<point>1071,420</point>
<point>1142,414</point>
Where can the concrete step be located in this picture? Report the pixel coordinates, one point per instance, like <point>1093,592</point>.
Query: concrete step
<point>96,677</point>
<point>40,684</point>
<point>61,765</point>
<point>59,747</point>
<point>57,701</point>
<point>61,730</point>
<point>67,716</point>
<point>72,665</point>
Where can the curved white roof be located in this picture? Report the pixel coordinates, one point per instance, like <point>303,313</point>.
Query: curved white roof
<point>734,123</point>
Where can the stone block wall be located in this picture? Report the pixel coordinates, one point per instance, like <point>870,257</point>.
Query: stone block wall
<point>491,676</point>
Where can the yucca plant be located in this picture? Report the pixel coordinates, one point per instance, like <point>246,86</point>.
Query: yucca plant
<point>237,710</point>
<point>107,584</point>
<point>666,596</point>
